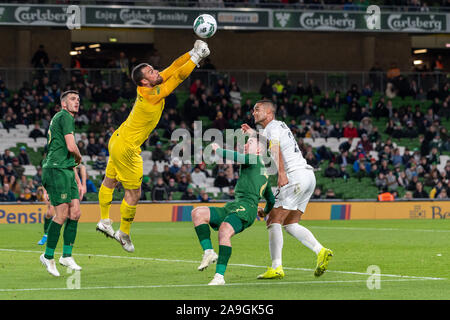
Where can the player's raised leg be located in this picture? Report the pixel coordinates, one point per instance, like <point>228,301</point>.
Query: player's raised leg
<point>274,223</point>
<point>292,226</point>
<point>105,197</point>
<point>201,218</point>
<point>127,214</point>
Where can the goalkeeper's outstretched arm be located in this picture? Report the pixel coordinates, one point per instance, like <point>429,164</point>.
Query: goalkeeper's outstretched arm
<point>173,78</point>
<point>196,54</point>
<point>169,71</point>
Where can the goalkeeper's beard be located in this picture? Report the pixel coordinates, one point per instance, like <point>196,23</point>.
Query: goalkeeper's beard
<point>157,81</point>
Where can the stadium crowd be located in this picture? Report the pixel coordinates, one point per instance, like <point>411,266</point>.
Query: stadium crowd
<point>222,106</point>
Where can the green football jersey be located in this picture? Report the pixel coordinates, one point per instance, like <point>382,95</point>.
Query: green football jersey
<point>57,154</point>
<point>253,183</point>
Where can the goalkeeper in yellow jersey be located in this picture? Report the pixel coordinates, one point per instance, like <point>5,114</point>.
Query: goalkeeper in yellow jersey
<point>125,165</point>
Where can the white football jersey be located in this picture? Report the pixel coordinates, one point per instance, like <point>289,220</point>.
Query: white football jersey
<point>277,132</point>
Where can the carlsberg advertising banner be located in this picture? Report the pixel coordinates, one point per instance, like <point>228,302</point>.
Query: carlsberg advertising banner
<point>132,17</point>
<point>358,21</point>
<point>172,17</point>
<point>33,15</point>
<point>238,19</point>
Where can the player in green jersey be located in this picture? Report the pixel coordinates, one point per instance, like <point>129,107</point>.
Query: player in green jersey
<point>60,179</point>
<point>235,216</point>
<point>48,216</point>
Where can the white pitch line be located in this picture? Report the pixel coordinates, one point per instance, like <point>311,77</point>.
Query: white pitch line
<point>376,229</point>
<point>232,264</point>
<point>261,283</point>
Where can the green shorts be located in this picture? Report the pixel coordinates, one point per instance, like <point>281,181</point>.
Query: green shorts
<point>60,184</point>
<point>239,214</point>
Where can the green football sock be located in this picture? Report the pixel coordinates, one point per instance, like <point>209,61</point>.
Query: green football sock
<point>46,224</point>
<point>204,236</point>
<point>222,261</point>
<point>70,233</point>
<point>54,230</point>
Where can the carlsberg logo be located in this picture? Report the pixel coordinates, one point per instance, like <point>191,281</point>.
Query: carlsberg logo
<point>31,15</point>
<point>323,21</point>
<point>398,22</point>
<point>283,18</point>
<point>137,16</point>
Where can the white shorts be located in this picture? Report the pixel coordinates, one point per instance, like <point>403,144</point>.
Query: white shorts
<point>296,194</point>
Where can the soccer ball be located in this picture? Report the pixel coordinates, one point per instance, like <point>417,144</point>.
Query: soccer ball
<point>205,26</point>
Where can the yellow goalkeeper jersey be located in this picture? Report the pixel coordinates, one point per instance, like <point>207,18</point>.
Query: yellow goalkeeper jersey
<point>149,102</point>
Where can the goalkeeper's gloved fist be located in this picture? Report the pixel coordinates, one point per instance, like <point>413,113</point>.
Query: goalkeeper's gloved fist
<point>199,52</point>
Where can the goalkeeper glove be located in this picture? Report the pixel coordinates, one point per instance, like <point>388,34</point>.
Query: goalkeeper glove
<point>199,52</point>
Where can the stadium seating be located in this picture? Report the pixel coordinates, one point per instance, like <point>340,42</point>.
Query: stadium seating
<point>15,137</point>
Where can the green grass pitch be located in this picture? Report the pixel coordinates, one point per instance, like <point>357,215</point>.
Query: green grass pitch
<point>412,255</point>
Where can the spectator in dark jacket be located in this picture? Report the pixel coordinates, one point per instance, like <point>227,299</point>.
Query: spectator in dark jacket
<point>172,186</point>
<point>159,192</point>
<point>331,171</point>
<point>183,184</point>
<point>221,181</point>
<point>23,156</point>
<point>419,192</point>
<point>343,159</point>
<point>40,58</point>
<point>266,89</point>
<point>346,145</point>
<point>189,195</point>
<point>36,132</point>
<point>158,154</point>
<point>93,147</point>
<point>317,193</point>
<point>336,132</point>
<point>7,195</point>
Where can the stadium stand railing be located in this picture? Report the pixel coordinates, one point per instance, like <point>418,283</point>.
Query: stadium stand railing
<point>248,80</point>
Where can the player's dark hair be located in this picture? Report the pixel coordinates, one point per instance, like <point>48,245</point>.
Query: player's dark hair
<point>137,75</point>
<point>66,93</point>
<point>268,103</point>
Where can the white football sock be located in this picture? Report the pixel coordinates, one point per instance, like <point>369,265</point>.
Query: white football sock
<point>275,244</point>
<point>304,235</point>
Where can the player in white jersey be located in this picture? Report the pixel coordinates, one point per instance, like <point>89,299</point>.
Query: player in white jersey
<point>296,183</point>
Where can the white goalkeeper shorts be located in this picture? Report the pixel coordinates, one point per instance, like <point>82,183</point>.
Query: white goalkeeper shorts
<point>296,194</point>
